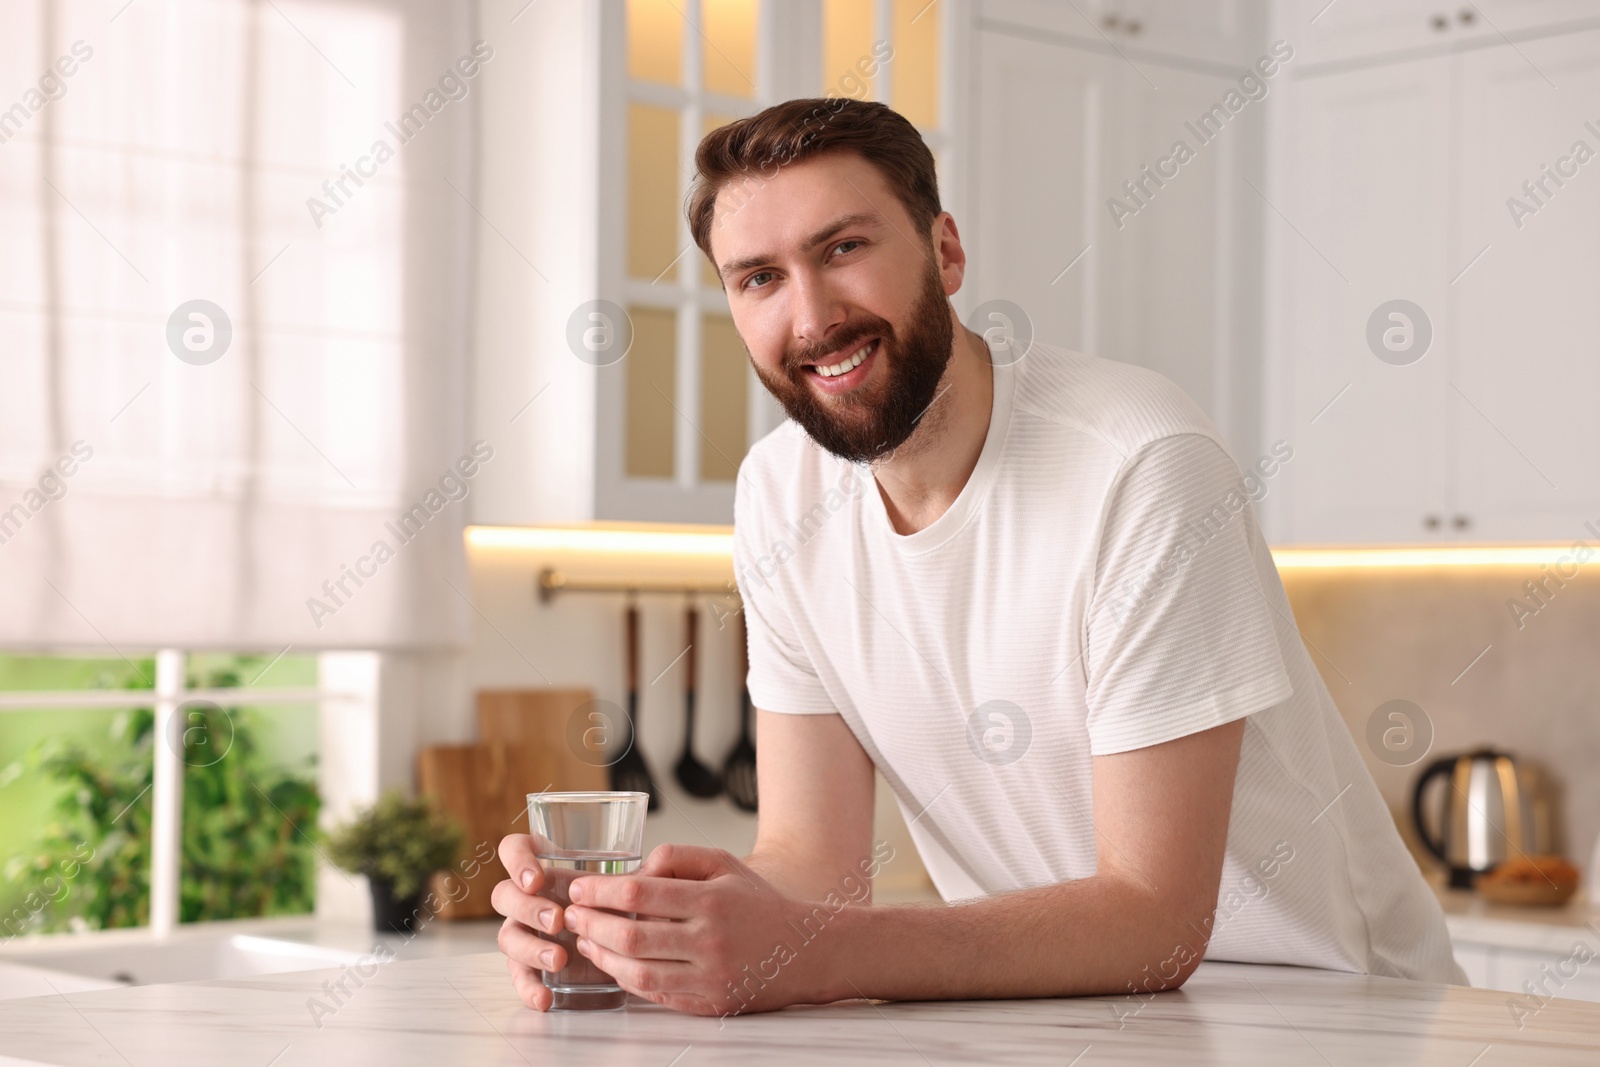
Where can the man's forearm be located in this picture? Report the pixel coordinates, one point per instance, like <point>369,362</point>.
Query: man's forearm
<point>1094,935</point>
<point>805,879</point>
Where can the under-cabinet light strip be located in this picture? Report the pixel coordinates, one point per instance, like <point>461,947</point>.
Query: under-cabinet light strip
<point>1430,556</point>
<point>717,541</point>
<point>713,541</point>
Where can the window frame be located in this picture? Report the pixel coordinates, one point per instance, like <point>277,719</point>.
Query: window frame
<point>170,692</point>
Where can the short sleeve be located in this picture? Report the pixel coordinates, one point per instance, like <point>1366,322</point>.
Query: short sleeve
<point>1180,635</point>
<point>781,676</point>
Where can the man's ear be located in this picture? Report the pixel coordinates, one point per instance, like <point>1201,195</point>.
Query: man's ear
<point>950,256</point>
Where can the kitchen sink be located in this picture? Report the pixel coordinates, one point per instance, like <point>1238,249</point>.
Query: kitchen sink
<point>66,963</point>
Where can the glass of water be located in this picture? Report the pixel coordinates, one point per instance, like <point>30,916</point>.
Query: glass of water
<point>578,834</point>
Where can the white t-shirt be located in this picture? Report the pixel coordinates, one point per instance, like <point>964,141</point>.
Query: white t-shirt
<point>1099,585</point>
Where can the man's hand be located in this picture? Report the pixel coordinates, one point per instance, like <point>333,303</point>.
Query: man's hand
<point>518,899</point>
<point>712,936</point>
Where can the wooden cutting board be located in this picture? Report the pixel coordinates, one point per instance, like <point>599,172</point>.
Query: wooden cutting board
<point>543,720</point>
<point>483,786</point>
<point>524,749</point>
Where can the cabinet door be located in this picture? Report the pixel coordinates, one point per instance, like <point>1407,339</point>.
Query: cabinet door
<point>1476,960</point>
<point>1351,32</point>
<point>1222,30</point>
<point>1360,218</point>
<point>1039,159</point>
<point>1144,276</point>
<point>1529,317</point>
<point>1146,30</point>
<point>1561,975</point>
<point>1551,15</point>
<point>1172,265</point>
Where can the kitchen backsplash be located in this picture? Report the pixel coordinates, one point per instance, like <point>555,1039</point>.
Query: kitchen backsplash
<point>1448,640</point>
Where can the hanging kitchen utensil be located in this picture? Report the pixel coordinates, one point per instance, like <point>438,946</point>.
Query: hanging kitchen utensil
<point>631,773</point>
<point>697,779</point>
<point>739,772</point>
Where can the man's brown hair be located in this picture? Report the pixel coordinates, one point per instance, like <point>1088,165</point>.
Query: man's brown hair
<point>796,130</point>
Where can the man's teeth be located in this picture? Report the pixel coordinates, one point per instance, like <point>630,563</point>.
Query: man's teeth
<point>847,364</point>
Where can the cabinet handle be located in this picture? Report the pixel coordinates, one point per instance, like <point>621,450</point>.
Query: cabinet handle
<point>1461,522</point>
<point>1431,521</point>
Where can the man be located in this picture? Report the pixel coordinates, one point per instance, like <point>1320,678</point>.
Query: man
<point>1026,586</point>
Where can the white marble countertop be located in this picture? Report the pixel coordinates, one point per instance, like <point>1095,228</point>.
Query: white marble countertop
<point>1474,920</point>
<point>462,1010</point>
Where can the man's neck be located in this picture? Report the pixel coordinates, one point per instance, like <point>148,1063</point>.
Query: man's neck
<point>922,478</point>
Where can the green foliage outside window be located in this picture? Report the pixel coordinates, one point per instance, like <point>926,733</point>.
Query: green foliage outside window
<point>247,827</point>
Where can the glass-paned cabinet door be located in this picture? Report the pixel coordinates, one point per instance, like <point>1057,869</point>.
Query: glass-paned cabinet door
<point>708,273</point>
<point>655,42</point>
<point>728,58</point>
<point>724,398</point>
<point>653,246</point>
<point>652,371</point>
<point>886,50</point>
<point>687,398</point>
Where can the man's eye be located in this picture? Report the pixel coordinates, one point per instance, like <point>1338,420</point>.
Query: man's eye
<point>842,245</point>
<point>749,282</point>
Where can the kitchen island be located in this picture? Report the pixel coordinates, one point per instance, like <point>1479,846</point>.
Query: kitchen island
<point>462,1010</point>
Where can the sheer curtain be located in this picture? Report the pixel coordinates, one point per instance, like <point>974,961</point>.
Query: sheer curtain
<point>233,328</point>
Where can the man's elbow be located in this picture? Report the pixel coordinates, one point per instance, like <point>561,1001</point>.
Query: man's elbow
<point>1166,938</point>
<point>1187,969</point>
<point>1177,953</point>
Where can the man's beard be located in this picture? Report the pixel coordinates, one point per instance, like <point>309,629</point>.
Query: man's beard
<point>871,421</point>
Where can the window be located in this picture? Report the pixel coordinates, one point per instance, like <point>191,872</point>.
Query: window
<point>85,776</point>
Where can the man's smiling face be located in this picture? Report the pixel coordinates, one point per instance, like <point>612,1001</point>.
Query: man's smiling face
<point>839,298</point>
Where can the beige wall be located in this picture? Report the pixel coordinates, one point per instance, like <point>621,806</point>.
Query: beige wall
<point>1385,634</point>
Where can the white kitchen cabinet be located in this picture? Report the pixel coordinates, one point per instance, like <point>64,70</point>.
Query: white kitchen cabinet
<point>1541,16</point>
<point>1040,162</point>
<point>1560,974</point>
<point>1476,960</point>
<point>1393,182</point>
<point>1152,276</point>
<point>1549,972</point>
<point>1376,31</point>
<point>1361,219</point>
<point>1527,316</point>
<point>1222,31</point>
<point>1331,33</point>
<point>1180,276</point>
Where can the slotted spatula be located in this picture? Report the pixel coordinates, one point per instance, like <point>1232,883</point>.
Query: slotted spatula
<point>739,771</point>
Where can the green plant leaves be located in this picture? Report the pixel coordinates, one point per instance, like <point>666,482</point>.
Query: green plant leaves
<point>397,840</point>
<point>248,828</point>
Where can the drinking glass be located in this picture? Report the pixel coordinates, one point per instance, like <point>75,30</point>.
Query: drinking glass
<point>579,834</point>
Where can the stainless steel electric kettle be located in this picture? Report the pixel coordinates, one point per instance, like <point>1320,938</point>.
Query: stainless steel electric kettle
<point>1486,807</point>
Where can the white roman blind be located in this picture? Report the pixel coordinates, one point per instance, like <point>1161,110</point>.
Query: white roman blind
<point>235,250</point>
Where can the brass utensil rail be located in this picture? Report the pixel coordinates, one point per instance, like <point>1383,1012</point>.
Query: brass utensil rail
<point>551,581</point>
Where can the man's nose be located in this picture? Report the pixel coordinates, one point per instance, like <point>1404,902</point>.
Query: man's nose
<point>817,310</point>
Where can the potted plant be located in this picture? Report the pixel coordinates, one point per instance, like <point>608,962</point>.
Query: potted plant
<point>397,843</point>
